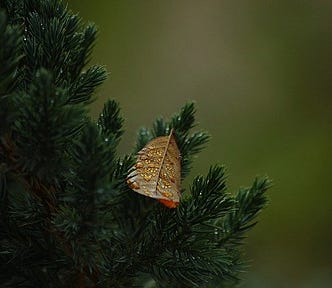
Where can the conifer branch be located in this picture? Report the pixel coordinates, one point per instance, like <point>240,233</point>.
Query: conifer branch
<point>67,216</point>
<point>249,202</point>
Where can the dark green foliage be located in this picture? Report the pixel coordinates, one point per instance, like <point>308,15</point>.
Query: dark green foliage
<point>67,216</point>
<point>10,55</point>
<point>44,124</point>
<point>109,120</point>
<point>249,201</point>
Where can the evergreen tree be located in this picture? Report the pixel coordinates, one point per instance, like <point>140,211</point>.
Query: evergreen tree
<point>67,215</point>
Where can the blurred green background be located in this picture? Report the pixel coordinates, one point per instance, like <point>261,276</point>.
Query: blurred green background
<point>260,72</point>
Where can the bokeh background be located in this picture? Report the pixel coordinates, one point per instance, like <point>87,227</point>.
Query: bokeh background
<point>260,72</point>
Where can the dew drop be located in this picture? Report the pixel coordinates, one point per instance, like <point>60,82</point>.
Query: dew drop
<point>147,177</point>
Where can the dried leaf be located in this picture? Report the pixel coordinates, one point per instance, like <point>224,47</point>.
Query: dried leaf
<point>157,172</point>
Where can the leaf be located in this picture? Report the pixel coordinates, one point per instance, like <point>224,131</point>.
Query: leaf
<point>157,172</point>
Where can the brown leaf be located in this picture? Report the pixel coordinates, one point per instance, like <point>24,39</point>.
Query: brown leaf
<point>157,172</point>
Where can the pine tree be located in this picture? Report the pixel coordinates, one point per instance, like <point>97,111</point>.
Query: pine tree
<point>67,215</point>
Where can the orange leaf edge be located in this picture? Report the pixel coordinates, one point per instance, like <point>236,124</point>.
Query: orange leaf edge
<point>169,203</point>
